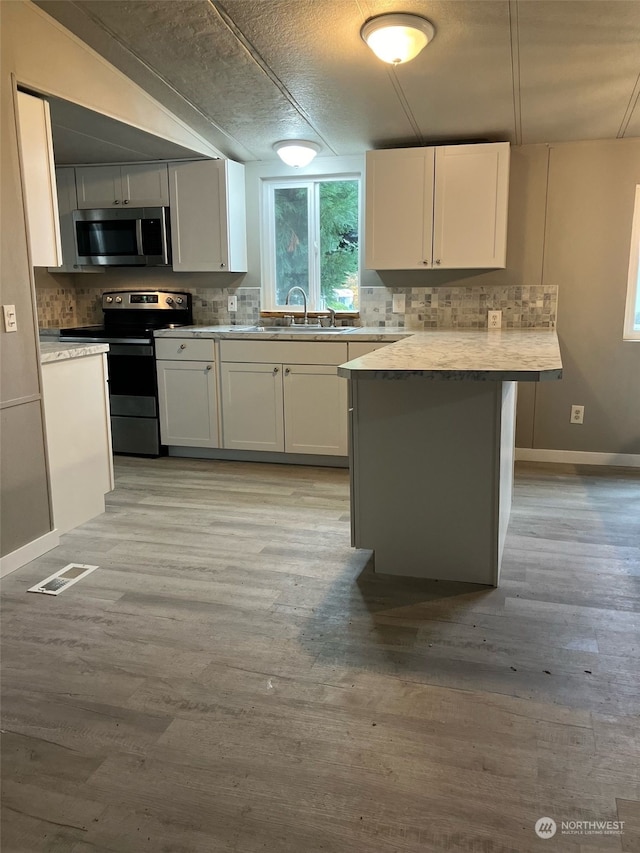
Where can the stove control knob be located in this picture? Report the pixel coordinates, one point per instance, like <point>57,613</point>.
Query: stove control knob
<point>109,299</point>
<point>118,298</point>
<point>169,300</point>
<point>179,300</point>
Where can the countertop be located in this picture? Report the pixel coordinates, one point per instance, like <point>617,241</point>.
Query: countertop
<point>525,355</point>
<point>251,333</point>
<point>453,354</point>
<point>51,351</point>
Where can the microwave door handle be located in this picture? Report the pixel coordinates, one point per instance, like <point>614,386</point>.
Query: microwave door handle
<point>139,236</point>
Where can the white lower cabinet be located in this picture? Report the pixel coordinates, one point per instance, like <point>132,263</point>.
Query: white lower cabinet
<point>357,349</point>
<point>76,408</point>
<point>315,410</point>
<point>252,411</point>
<point>187,394</point>
<point>292,407</point>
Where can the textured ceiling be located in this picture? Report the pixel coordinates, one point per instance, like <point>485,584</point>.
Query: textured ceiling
<point>246,73</point>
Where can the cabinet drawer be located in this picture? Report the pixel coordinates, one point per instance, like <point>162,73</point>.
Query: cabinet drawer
<point>185,349</point>
<point>280,352</point>
<point>357,349</point>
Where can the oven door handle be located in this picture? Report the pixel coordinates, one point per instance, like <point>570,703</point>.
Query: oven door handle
<point>139,236</point>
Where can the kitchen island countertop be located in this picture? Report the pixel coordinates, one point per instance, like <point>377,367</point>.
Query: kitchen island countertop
<point>461,354</point>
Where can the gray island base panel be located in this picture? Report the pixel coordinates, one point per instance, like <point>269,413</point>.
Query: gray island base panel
<point>431,460</point>
<point>431,470</point>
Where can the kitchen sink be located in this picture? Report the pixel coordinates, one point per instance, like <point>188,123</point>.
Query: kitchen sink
<point>300,330</point>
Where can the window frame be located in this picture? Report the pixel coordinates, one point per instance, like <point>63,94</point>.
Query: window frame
<point>267,238</point>
<point>633,280</point>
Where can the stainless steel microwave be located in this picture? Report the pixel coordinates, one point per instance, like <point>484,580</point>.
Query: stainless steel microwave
<point>137,237</point>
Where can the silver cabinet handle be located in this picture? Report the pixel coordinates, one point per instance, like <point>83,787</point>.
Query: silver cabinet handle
<point>126,201</point>
<point>117,201</point>
<point>426,263</point>
<point>275,370</point>
<point>287,371</point>
<point>438,261</point>
<point>183,346</point>
<point>208,367</point>
<point>222,265</point>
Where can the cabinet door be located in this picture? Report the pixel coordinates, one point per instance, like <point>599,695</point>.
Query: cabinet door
<point>188,403</point>
<point>67,202</point>
<point>357,348</point>
<point>470,206</point>
<point>39,181</point>
<point>198,216</point>
<point>252,413</point>
<point>98,186</point>
<point>399,208</point>
<point>315,410</point>
<point>145,185</point>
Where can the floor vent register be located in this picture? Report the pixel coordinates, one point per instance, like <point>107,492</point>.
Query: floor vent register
<point>63,579</point>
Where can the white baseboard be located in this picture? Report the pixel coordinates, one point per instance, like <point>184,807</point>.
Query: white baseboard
<point>31,551</point>
<point>578,457</point>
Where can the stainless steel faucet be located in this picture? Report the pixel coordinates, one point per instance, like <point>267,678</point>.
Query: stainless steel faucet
<point>304,299</point>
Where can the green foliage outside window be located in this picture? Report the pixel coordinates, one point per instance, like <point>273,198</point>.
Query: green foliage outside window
<point>337,241</point>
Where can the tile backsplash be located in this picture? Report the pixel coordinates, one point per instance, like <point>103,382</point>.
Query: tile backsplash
<point>526,306</point>
<point>57,307</point>
<point>458,307</point>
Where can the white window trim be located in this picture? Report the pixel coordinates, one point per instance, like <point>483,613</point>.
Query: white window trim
<point>629,333</point>
<point>267,235</point>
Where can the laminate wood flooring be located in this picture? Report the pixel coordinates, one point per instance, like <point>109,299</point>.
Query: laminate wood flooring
<point>234,677</point>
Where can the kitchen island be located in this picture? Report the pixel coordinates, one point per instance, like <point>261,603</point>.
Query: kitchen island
<point>432,446</point>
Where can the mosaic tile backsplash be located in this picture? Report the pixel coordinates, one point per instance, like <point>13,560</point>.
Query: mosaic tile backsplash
<point>82,306</point>
<point>525,307</point>
<point>443,307</point>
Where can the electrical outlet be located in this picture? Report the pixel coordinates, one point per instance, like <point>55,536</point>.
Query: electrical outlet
<point>398,303</point>
<point>494,319</point>
<point>577,414</point>
<point>232,303</point>
<point>10,322</point>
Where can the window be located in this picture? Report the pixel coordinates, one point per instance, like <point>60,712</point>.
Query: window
<point>632,313</point>
<point>311,231</point>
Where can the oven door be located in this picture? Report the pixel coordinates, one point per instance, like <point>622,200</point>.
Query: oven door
<point>133,399</point>
<point>132,237</point>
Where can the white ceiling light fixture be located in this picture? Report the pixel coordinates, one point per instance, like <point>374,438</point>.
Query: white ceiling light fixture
<point>296,152</point>
<point>397,37</point>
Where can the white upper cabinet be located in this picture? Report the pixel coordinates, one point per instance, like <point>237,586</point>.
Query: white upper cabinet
<point>39,181</point>
<point>440,207</point>
<point>399,208</point>
<point>470,206</point>
<point>208,216</point>
<point>136,184</point>
<point>67,203</point>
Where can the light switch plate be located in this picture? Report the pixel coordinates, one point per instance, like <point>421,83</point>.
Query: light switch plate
<point>232,303</point>
<point>398,303</point>
<point>10,322</point>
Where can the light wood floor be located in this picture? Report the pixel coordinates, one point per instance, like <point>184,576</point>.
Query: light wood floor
<point>235,678</point>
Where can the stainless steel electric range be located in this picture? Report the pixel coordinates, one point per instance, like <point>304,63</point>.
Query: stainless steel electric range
<point>130,319</point>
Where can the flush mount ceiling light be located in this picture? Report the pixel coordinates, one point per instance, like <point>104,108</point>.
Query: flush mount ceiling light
<point>296,152</point>
<point>397,37</point>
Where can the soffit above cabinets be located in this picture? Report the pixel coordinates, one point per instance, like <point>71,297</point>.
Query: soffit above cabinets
<point>245,73</point>
<point>84,136</point>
